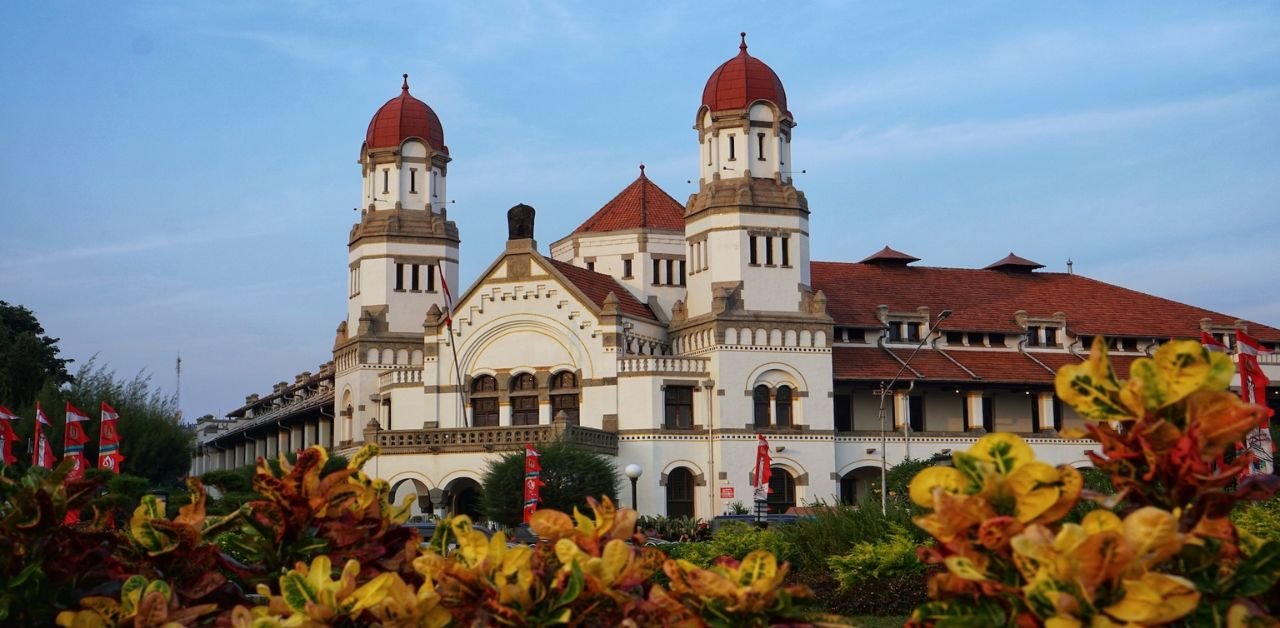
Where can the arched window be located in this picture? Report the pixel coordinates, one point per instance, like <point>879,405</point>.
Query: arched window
<point>484,401</point>
<point>524,399</point>
<point>761,401</point>
<point>680,493</point>
<point>782,491</point>
<point>564,396</point>
<point>782,412</point>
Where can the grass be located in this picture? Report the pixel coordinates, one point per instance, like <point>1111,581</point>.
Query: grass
<point>871,621</point>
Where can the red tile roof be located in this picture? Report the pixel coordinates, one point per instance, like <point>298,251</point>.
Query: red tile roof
<point>641,205</point>
<point>597,286</point>
<point>985,300</point>
<point>987,366</point>
<point>741,81</point>
<point>1013,262</point>
<point>404,117</point>
<point>888,255</point>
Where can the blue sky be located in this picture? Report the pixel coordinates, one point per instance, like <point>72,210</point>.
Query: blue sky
<point>178,177</point>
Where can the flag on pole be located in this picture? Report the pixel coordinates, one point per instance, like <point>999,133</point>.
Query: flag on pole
<point>7,435</point>
<point>532,480</point>
<point>448,298</point>
<point>1211,343</point>
<point>109,456</point>
<point>1253,388</point>
<point>764,469</point>
<point>43,454</point>
<point>76,438</point>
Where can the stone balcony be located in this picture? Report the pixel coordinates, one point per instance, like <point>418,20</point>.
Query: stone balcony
<point>662,365</point>
<point>400,378</point>
<point>489,439</point>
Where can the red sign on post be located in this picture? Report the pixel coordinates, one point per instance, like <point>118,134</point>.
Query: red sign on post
<point>726,492</point>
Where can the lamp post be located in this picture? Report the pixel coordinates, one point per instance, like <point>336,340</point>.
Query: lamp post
<point>634,471</point>
<point>888,389</point>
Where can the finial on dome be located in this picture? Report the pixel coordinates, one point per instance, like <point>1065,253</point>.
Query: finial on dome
<point>743,45</point>
<point>642,170</point>
<point>405,86</point>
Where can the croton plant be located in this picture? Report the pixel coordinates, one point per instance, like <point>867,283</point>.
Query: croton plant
<point>1160,550</point>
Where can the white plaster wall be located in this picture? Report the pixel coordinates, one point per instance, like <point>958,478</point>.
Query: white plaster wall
<point>1013,412</point>
<point>406,309</point>
<point>765,288</point>
<point>943,411</point>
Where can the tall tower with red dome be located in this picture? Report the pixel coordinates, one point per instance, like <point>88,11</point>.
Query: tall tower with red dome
<point>398,253</point>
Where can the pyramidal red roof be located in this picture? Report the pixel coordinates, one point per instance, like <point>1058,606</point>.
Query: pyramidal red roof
<point>741,81</point>
<point>641,205</point>
<point>1014,263</point>
<point>404,117</point>
<point>981,300</point>
<point>889,256</point>
<point>597,286</point>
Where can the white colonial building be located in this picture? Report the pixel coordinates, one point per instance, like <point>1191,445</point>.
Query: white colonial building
<point>670,335</point>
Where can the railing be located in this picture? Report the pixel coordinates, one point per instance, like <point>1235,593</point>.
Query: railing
<point>400,378</point>
<point>662,365</point>
<point>492,439</point>
<point>1269,358</point>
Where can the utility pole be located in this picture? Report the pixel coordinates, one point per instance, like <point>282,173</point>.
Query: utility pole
<point>177,395</point>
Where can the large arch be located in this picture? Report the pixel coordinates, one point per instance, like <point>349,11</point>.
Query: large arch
<point>856,484</point>
<point>462,497</point>
<point>411,484</point>
<point>499,330</point>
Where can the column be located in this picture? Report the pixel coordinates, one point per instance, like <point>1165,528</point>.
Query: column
<point>326,431</point>
<point>309,433</point>
<point>259,449</point>
<point>1047,418</point>
<point>973,399</point>
<point>544,412</point>
<point>900,409</point>
<point>295,437</point>
<point>504,413</point>
<point>273,444</point>
<point>283,436</point>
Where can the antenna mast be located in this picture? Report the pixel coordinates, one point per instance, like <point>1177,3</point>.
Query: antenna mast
<point>177,396</point>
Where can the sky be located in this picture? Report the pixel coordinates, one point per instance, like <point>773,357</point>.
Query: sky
<point>178,178</point>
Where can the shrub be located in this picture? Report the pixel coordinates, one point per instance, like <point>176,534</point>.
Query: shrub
<point>891,557</point>
<point>1261,519</point>
<point>834,530</point>
<point>570,475</point>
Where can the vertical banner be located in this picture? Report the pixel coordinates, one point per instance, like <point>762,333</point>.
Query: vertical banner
<point>7,435</point>
<point>42,456</point>
<point>532,480</point>
<point>109,456</point>
<point>763,470</point>
<point>76,438</point>
<point>1253,388</point>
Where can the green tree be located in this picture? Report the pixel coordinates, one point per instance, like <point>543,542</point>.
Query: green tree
<point>28,358</point>
<point>571,474</point>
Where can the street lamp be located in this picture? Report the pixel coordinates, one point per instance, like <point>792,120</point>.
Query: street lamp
<point>633,471</point>
<point>885,390</point>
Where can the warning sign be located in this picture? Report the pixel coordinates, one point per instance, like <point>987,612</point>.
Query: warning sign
<point>726,492</point>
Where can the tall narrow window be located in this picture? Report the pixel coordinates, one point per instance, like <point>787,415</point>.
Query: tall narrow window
<point>435,184</point>
<point>1033,336</point>
<point>386,180</point>
<point>913,332</point>
<point>680,493</point>
<point>760,405</point>
<point>760,139</point>
<point>755,257</point>
<point>731,149</point>
<point>524,400</point>
<point>399,276</point>
<point>431,277</point>
<point>915,413</point>
<point>785,247</point>
<point>564,397</point>
<point>657,270</point>
<point>989,414</point>
<point>413,180</point>
<point>355,281</point>
<point>782,491</point>
<point>768,250</point>
<point>782,407</point>
<point>626,269</point>
<point>843,412</point>
<point>1035,412</point>
<point>671,271</point>
<point>679,407</point>
<point>413,277</point>
<point>484,401</point>
<point>1050,336</point>
<point>682,272</point>
<point>591,266</point>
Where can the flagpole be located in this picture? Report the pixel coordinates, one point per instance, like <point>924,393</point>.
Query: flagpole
<point>453,345</point>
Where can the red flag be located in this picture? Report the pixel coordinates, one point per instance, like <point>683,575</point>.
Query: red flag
<point>7,435</point>
<point>109,456</point>
<point>1212,343</point>
<point>1253,388</point>
<point>764,469</point>
<point>76,438</point>
<point>43,454</point>
<point>532,481</point>
<point>448,299</point>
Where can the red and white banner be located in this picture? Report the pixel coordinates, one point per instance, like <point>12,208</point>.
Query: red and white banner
<point>43,454</point>
<point>1212,343</point>
<point>532,481</point>
<point>7,436</point>
<point>763,470</point>
<point>1253,388</point>
<point>109,456</point>
<point>76,439</point>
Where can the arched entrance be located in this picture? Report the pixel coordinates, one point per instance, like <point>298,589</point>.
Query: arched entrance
<point>416,488</point>
<point>855,486</point>
<point>782,491</point>
<point>463,495</point>
<point>680,482</point>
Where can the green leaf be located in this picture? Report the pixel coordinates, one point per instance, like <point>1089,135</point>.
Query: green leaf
<point>573,587</point>
<point>296,591</point>
<point>1256,574</point>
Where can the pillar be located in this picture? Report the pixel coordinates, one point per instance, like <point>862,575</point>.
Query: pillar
<point>900,409</point>
<point>295,437</point>
<point>973,400</point>
<point>273,444</point>
<point>544,412</point>
<point>309,433</point>
<point>1047,418</point>
<point>504,413</point>
<point>326,431</point>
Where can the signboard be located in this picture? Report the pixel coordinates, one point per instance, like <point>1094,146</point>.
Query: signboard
<point>726,492</point>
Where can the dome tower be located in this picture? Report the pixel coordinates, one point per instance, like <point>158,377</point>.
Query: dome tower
<point>400,254</point>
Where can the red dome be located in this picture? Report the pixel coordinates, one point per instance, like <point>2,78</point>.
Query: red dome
<point>741,81</point>
<point>404,117</point>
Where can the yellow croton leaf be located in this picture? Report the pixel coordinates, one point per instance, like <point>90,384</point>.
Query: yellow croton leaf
<point>1091,387</point>
<point>1100,558</point>
<point>1153,534</point>
<point>954,515</point>
<point>758,568</point>
<point>1178,368</point>
<point>1034,485</point>
<point>948,479</point>
<point>1071,484</point>
<point>1100,521</point>
<point>1224,419</point>
<point>964,567</point>
<point>550,524</point>
<point>1004,450</point>
<point>1154,599</point>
